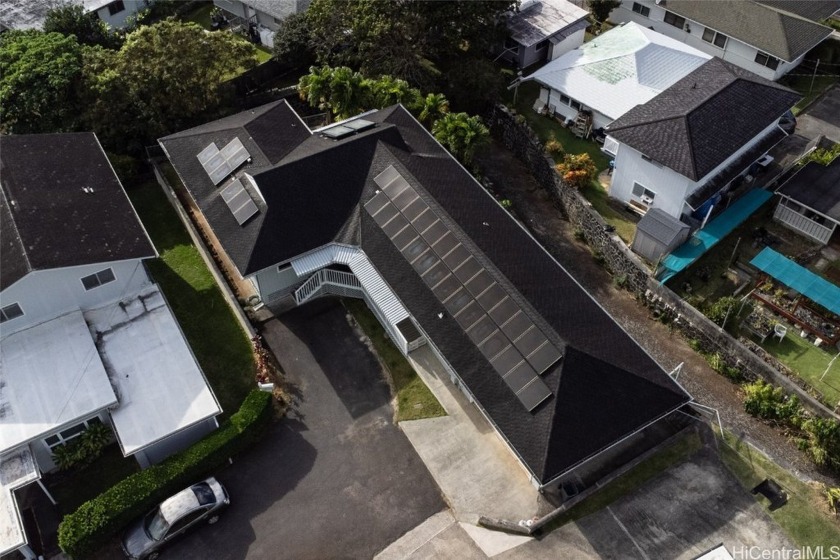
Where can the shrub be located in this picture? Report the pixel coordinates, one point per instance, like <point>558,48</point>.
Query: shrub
<point>833,497</point>
<point>85,449</point>
<point>86,529</point>
<point>822,442</point>
<point>554,147</point>
<point>771,403</point>
<point>718,311</point>
<point>577,170</point>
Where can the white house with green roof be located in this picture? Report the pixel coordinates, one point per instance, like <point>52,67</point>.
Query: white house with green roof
<point>624,67</point>
<point>766,37</point>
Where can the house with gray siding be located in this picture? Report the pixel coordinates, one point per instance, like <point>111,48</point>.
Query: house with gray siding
<point>261,18</point>
<point>374,208</point>
<point>810,201</point>
<point>767,37</point>
<point>30,14</point>
<point>86,336</point>
<point>540,30</point>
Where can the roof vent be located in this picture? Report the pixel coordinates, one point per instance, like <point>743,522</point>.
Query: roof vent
<point>88,190</point>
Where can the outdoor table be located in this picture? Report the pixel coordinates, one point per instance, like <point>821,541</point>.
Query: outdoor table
<point>759,324</point>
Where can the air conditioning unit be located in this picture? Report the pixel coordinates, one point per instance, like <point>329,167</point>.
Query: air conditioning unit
<point>647,200</point>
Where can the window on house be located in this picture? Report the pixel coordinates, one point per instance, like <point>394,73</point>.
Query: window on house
<point>673,19</point>
<point>542,45</point>
<point>9,312</point>
<point>564,99</point>
<point>715,38</point>
<point>97,279</point>
<point>766,60</point>
<point>641,10</point>
<point>646,195</point>
<point>66,436</point>
<point>116,7</point>
<point>575,105</point>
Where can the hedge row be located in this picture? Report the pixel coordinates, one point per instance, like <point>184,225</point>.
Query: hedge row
<point>90,526</point>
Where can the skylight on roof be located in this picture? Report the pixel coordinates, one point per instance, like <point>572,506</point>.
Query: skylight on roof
<point>348,128</point>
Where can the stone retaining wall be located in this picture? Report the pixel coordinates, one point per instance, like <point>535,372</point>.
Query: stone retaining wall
<point>515,134</point>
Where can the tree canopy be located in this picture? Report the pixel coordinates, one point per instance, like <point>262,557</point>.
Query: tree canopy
<point>39,77</point>
<point>461,134</point>
<point>86,27</point>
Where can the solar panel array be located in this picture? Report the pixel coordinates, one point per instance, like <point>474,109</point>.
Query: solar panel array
<point>516,348</point>
<point>220,163</point>
<point>239,202</point>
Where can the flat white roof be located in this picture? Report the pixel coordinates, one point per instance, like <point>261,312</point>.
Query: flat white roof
<point>160,386</point>
<point>16,469</point>
<point>52,376</point>
<point>624,67</point>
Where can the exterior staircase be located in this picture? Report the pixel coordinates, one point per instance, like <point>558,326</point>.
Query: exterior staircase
<point>329,282</point>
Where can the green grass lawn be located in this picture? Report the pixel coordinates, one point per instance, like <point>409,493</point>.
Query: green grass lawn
<point>808,361</point>
<point>414,399</point>
<point>672,455</point>
<point>217,340</point>
<point>805,517</point>
<point>73,488</point>
<point>200,15</point>
<point>624,226</point>
<point>803,84</point>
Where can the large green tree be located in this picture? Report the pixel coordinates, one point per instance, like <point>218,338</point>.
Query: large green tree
<point>291,42</point>
<point>87,27</point>
<point>39,79</point>
<point>162,77</point>
<point>461,134</point>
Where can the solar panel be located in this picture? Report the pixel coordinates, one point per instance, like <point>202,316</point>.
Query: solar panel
<point>207,153</point>
<point>516,348</point>
<point>338,132</point>
<point>235,153</point>
<point>359,124</point>
<point>218,174</point>
<point>533,394</point>
<point>239,202</point>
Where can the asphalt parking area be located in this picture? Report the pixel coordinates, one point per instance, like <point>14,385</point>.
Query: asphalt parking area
<point>822,118</point>
<point>336,478</point>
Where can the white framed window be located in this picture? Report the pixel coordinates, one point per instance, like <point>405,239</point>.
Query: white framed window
<point>673,19</point>
<point>643,193</point>
<point>715,38</point>
<point>564,99</point>
<point>66,436</point>
<point>765,59</point>
<point>641,10</point>
<point>9,312</point>
<point>611,146</point>
<point>97,279</point>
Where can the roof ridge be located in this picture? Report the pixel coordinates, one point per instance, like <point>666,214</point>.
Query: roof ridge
<point>17,231</point>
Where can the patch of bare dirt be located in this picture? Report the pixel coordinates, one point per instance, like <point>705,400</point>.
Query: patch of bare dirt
<point>538,211</point>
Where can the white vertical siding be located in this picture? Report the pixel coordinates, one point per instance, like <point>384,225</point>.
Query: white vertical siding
<point>803,225</point>
<point>670,187</point>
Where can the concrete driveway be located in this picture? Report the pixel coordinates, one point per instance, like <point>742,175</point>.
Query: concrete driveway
<point>678,515</point>
<point>822,118</point>
<point>336,479</point>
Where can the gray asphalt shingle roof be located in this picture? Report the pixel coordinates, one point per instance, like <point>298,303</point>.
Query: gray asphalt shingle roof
<point>703,119</point>
<point>782,34</point>
<point>313,195</point>
<point>42,178</point>
<point>816,186</point>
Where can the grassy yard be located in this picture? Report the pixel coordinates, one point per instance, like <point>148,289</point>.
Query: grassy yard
<point>805,518</point>
<point>201,16</point>
<point>217,340</point>
<point>414,399</point>
<point>73,488</point>
<point>676,453</point>
<point>625,226</point>
<point>808,361</point>
<point>803,84</point>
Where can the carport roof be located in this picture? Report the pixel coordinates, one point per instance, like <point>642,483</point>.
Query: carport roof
<point>605,388</point>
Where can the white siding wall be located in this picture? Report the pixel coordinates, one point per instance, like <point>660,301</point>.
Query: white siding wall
<point>45,294</point>
<point>233,6</point>
<point>734,51</point>
<point>796,221</point>
<point>570,43</point>
<point>670,187</point>
<point>118,20</point>
<point>552,97</point>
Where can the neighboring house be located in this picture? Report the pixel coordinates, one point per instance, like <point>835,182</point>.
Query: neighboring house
<point>686,148</point>
<point>374,208</point>
<point>30,14</point>
<point>85,335</point>
<point>262,17</point>
<point>769,38</point>
<point>611,74</point>
<point>810,201</point>
<point>543,30</point>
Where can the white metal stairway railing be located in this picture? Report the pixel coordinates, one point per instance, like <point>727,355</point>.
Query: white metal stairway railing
<point>329,282</point>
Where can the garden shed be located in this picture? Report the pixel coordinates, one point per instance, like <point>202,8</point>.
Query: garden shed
<point>659,233</point>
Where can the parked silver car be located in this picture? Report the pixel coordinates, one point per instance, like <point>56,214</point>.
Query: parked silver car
<point>200,503</point>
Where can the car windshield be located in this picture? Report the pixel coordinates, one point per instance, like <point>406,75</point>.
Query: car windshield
<point>156,526</point>
<point>204,494</point>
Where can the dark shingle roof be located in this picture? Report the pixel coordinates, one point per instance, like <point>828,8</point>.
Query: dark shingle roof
<point>782,34</point>
<point>815,10</point>
<point>700,121</point>
<point>661,226</point>
<point>816,186</point>
<point>325,183</point>
<point>48,221</point>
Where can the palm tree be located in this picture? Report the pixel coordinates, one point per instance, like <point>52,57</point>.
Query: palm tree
<point>433,107</point>
<point>315,89</point>
<point>388,90</point>
<point>349,92</point>
<point>461,134</point>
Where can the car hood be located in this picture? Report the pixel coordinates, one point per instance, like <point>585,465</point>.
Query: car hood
<point>135,541</point>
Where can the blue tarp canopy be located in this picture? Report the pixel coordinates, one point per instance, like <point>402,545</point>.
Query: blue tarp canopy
<point>714,231</point>
<point>814,287</point>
